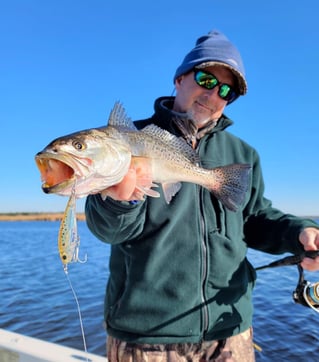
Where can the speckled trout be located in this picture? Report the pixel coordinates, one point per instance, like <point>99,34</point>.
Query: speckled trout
<point>97,158</point>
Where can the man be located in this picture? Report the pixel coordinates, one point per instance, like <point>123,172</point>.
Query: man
<point>180,284</point>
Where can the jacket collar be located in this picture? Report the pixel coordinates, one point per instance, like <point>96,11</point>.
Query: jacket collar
<point>179,123</point>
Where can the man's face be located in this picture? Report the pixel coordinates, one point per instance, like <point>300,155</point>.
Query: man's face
<point>202,105</point>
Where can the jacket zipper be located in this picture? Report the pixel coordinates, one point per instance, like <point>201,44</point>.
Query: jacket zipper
<point>204,267</point>
<point>204,257</point>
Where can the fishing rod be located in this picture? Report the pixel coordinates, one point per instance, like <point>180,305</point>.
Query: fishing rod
<point>306,293</point>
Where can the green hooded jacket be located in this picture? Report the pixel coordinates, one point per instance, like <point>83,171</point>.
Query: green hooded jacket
<point>179,272</point>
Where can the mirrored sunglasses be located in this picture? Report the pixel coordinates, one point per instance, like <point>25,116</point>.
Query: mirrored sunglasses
<point>209,81</point>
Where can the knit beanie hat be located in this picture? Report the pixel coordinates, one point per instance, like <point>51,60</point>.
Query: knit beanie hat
<point>215,49</point>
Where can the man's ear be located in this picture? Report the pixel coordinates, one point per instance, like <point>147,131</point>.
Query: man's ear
<point>179,81</point>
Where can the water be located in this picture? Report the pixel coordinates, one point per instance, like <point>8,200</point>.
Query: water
<point>36,300</point>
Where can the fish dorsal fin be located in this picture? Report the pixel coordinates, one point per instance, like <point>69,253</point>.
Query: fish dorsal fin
<point>119,118</point>
<point>178,143</point>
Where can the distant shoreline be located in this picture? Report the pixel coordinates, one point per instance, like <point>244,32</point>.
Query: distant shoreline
<point>36,216</point>
<point>55,216</point>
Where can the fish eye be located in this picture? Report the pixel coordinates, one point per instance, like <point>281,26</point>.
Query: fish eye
<point>78,145</point>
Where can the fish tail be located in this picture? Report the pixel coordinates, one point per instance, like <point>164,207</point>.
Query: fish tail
<point>231,184</point>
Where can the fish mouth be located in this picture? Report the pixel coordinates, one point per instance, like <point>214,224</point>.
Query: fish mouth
<point>56,173</point>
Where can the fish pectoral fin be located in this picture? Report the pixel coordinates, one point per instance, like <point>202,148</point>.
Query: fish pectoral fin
<point>170,190</point>
<point>104,194</point>
<point>148,191</point>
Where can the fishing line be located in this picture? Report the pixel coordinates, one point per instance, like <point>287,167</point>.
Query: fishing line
<point>68,245</point>
<point>79,313</point>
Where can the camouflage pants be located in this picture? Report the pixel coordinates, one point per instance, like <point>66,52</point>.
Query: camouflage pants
<point>238,348</point>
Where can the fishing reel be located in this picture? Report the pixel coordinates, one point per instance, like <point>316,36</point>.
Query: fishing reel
<point>306,293</point>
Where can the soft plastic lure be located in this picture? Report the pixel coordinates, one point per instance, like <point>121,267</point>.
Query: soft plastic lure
<point>68,240</point>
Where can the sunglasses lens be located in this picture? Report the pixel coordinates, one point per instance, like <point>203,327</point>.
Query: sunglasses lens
<point>205,80</point>
<point>225,91</point>
<point>209,81</point>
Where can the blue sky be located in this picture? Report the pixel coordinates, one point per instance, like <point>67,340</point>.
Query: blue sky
<point>64,63</point>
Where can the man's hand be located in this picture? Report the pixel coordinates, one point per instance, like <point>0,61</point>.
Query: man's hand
<point>136,183</point>
<point>309,238</point>
<point>124,190</point>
